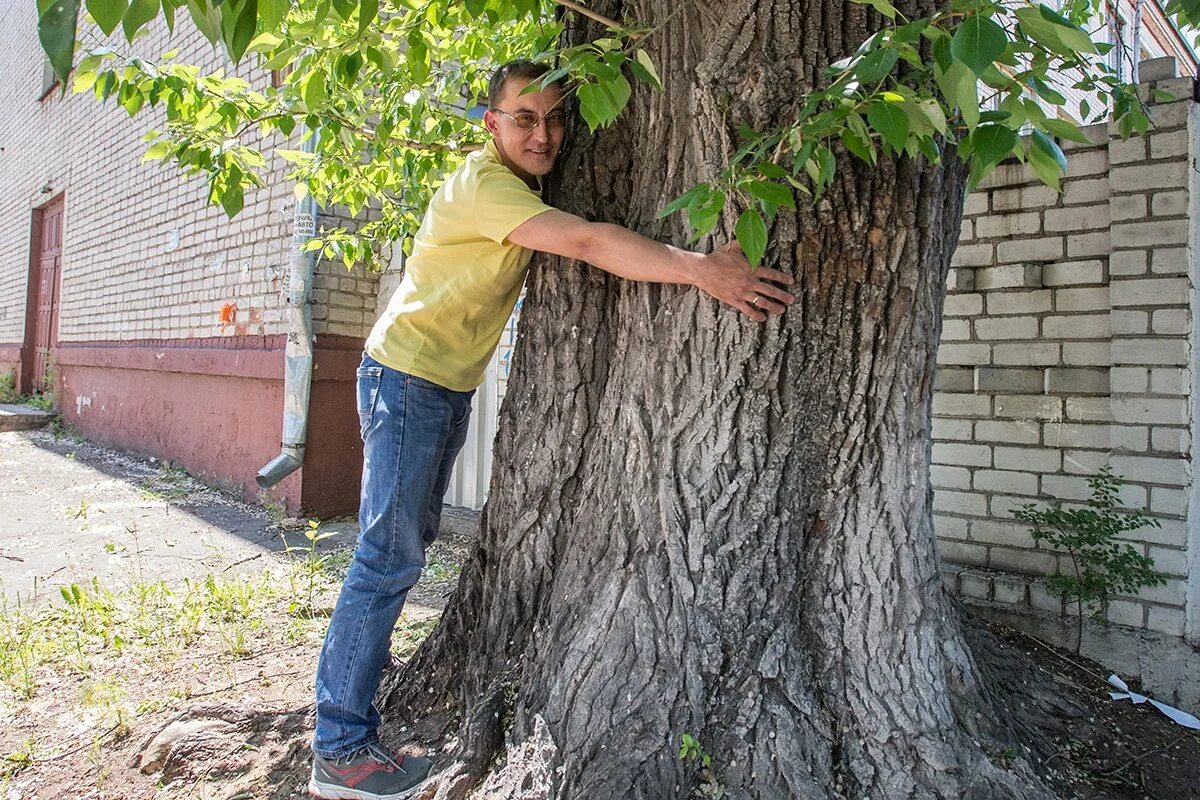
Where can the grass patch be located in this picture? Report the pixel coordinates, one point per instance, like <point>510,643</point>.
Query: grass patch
<point>42,402</point>
<point>172,482</point>
<point>438,571</point>
<point>93,622</point>
<point>9,394</point>
<point>409,634</point>
<point>8,387</point>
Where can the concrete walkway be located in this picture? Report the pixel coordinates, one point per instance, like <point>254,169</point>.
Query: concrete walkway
<point>71,510</point>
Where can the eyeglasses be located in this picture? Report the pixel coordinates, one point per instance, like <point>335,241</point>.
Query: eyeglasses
<point>527,120</point>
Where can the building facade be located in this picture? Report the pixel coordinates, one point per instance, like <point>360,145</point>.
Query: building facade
<point>157,321</point>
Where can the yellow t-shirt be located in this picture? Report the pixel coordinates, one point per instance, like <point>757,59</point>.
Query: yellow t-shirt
<point>463,278</point>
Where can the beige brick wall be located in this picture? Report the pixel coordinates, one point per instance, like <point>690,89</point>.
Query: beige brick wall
<point>144,255</point>
<point>344,300</point>
<point>1067,345</point>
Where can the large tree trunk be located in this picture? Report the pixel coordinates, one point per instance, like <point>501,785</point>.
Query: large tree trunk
<point>699,524</point>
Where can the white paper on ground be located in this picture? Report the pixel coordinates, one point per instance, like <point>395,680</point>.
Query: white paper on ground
<point>1178,717</point>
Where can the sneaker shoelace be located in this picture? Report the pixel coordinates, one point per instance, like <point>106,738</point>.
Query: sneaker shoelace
<point>377,753</point>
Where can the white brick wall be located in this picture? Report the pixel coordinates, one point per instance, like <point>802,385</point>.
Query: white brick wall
<point>144,255</point>
<point>1070,347</point>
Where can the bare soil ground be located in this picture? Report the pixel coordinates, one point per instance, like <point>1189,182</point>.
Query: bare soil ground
<point>1118,751</point>
<point>197,685</point>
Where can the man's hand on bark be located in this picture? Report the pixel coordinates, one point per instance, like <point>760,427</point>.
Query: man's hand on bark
<point>726,275</point>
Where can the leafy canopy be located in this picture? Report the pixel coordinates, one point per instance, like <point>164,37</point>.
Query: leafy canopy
<point>388,85</point>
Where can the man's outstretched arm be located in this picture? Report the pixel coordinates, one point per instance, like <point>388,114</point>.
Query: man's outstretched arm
<point>724,273</point>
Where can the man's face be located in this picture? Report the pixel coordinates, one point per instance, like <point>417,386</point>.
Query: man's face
<point>530,153</point>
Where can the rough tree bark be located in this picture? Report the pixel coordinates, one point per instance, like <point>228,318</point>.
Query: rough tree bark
<point>698,524</point>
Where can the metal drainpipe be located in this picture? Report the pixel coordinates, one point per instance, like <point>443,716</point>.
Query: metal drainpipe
<point>298,355</point>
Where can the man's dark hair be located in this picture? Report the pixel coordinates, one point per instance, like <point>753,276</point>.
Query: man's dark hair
<point>522,69</point>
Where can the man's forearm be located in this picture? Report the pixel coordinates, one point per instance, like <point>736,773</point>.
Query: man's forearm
<point>634,257</point>
<point>724,273</point>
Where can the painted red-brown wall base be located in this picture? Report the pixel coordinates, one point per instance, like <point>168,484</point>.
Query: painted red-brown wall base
<point>332,469</point>
<point>214,406</point>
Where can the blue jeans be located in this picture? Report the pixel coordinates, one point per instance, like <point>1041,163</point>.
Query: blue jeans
<point>412,431</point>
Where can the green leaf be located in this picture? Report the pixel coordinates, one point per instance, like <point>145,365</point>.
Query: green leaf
<point>858,144</point>
<point>156,151</point>
<point>686,199</point>
<point>772,170</point>
<point>619,91</point>
<point>1032,24</point>
<point>1065,130</point>
<point>314,90</point>
<point>1071,34</point>
<point>282,58</point>
<point>237,27</point>
<point>930,149</point>
<point>417,57</point>
<point>594,105</point>
<point>348,67</point>
<point>1055,32</point>
<point>751,234</point>
<point>137,15</point>
<point>344,8</point>
<point>774,193</point>
<point>206,19</point>
<point>133,101</point>
<point>828,165</point>
<point>1047,92</point>
<point>960,87</point>
<point>264,43</point>
<point>105,85</point>
<point>882,6</point>
<point>967,98</point>
<point>812,169</point>
<point>703,215</point>
<point>890,121</point>
<point>56,30</point>
<point>1046,165</point>
<point>367,11</point>
<point>232,199</point>
<point>991,144</point>
<point>934,113</point>
<point>647,67</point>
<point>941,53</point>
<point>1050,147</point>
<point>978,42</point>
<point>381,61</point>
<point>107,13</point>
<point>83,81</point>
<point>876,65</point>
<point>272,12</point>
<point>601,103</point>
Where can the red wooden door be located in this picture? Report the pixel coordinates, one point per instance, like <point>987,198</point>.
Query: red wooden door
<point>47,264</point>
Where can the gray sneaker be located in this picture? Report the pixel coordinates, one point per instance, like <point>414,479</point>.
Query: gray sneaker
<point>369,773</point>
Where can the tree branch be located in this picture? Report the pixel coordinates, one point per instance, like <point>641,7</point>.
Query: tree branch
<point>603,20</point>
